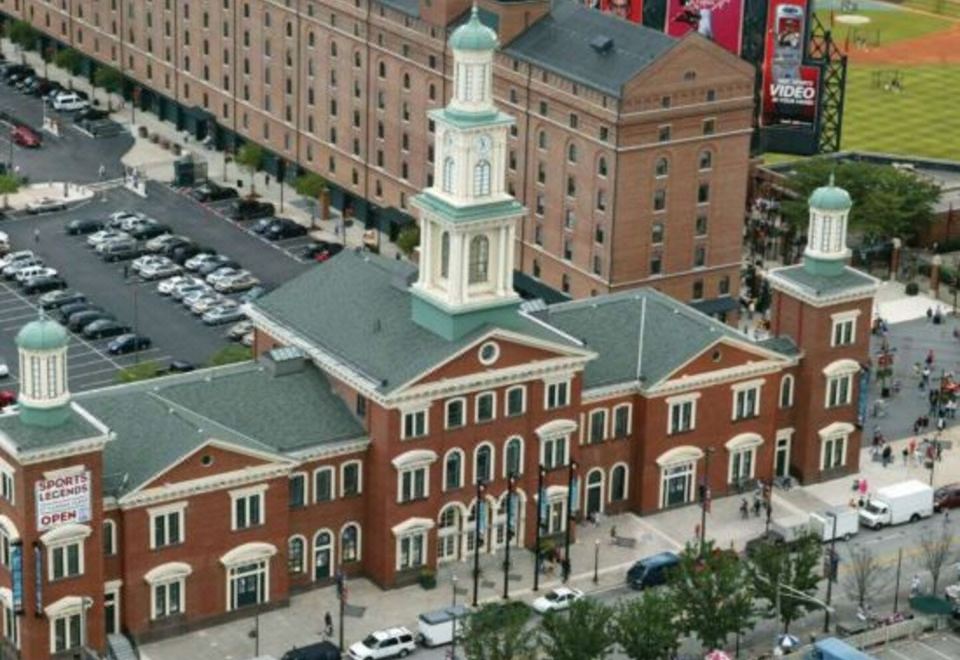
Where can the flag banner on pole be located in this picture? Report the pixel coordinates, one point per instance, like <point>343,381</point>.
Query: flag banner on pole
<point>513,504</point>
<point>482,512</point>
<point>574,495</point>
<point>542,506</point>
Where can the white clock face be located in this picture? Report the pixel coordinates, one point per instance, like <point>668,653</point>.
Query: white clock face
<point>484,143</point>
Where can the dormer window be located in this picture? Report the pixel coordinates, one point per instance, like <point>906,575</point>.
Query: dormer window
<point>481,178</point>
<point>479,259</point>
<point>447,183</point>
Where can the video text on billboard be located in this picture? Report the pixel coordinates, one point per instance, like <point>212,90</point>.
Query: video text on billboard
<point>791,89</point>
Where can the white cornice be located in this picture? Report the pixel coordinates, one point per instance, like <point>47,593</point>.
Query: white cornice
<point>192,487</point>
<point>343,448</point>
<point>719,377</point>
<point>815,299</point>
<point>61,451</point>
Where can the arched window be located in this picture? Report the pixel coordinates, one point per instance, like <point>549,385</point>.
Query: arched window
<point>479,259</point>
<point>109,538</point>
<point>602,166</point>
<point>481,178</point>
<point>323,555</point>
<point>656,233</point>
<point>356,59</point>
<point>513,457</point>
<point>483,464</point>
<point>311,39</point>
<point>296,554</point>
<point>786,391</point>
<point>333,49</point>
<point>618,483</point>
<point>662,168</point>
<point>447,184</point>
<point>445,254</point>
<point>406,81</point>
<point>382,69</point>
<point>572,153</point>
<point>453,470</point>
<point>350,542</point>
<point>706,159</point>
<point>542,139</point>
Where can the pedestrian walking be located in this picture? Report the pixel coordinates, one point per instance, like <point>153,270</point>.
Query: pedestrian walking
<point>939,450</point>
<point>906,453</point>
<point>929,313</point>
<point>941,424</point>
<point>930,358</point>
<point>887,453</point>
<point>36,235</point>
<point>328,624</point>
<point>102,171</point>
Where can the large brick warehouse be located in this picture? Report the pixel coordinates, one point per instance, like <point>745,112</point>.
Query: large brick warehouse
<point>631,148</point>
<point>381,395</point>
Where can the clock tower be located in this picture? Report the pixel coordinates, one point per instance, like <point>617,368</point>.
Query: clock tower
<point>467,219</point>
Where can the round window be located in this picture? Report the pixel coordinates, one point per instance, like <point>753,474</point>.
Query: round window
<point>489,353</point>
<point>206,460</point>
<point>716,356</point>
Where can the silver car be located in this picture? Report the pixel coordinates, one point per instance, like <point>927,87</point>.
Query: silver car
<point>228,312</point>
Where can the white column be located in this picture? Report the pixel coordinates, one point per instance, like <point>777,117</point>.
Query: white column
<point>464,268</point>
<point>502,260</point>
<point>455,279</point>
<point>511,253</point>
<point>427,276</point>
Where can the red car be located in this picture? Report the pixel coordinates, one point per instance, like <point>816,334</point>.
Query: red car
<point>25,136</point>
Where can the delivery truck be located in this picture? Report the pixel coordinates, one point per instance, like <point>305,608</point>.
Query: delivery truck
<point>847,523</point>
<point>903,502</point>
<point>437,628</point>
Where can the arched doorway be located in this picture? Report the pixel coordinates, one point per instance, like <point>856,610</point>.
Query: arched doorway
<point>594,493</point>
<point>449,533</point>
<point>323,555</point>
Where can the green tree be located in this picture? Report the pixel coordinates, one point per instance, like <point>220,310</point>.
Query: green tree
<point>230,354</point>
<point>68,59</point>
<point>582,633</point>
<point>250,157</point>
<point>9,184</point>
<point>496,632</point>
<point>649,627</point>
<point>887,202</point>
<point>109,79</point>
<point>408,239</point>
<point>315,186</point>
<point>23,34</point>
<point>141,371</point>
<point>715,595</point>
<point>792,566</point>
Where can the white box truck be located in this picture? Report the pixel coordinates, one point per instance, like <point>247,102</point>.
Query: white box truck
<point>848,523</point>
<point>436,628</point>
<point>899,503</point>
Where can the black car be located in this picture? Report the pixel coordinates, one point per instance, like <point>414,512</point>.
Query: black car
<point>216,264</point>
<point>249,209</point>
<point>128,343</point>
<point>91,114</point>
<point>285,229</point>
<point>181,253</point>
<point>81,320</point>
<point>43,284</point>
<point>149,231</point>
<point>60,298</point>
<point>69,309</point>
<point>83,226</point>
<point>321,251</point>
<point>16,73</point>
<point>262,225</point>
<point>211,192</point>
<point>102,328</point>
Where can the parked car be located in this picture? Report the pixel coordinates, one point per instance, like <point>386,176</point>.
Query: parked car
<point>238,330</point>
<point>25,274</point>
<point>128,343</point>
<point>197,260</point>
<point>150,231</point>
<point>171,247</point>
<point>249,209</point>
<point>181,253</point>
<point>184,289</point>
<point>159,270</point>
<point>261,225</point>
<point>79,321</point>
<point>390,643</point>
<point>138,221</point>
<point>557,599</point>
<point>240,281</point>
<point>44,87</point>
<point>14,257</point>
<point>159,243</point>
<point>253,294</point>
<point>947,497</point>
<point>215,264</point>
<point>228,312</point>
<point>104,235</point>
<point>69,309</point>
<point>69,102</point>
<point>652,571</point>
<point>50,94</point>
<point>191,297</point>
<point>165,288</point>
<point>43,283</point>
<point>145,260</point>
<point>321,250</point>
<point>45,205</point>
<point>120,250</point>
<point>83,226</point>
<point>11,271</point>
<point>24,136</point>
<point>211,192</point>
<point>285,229</point>
<point>205,303</point>
<point>104,328</point>
<point>23,83</point>
<point>14,72</point>
<point>57,299</point>
<point>91,114</point>
<point>221,274</point>
<point>115,219</point>
<point>319,651</point>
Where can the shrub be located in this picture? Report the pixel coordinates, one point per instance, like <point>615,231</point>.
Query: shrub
<point>912,288</point>
<point>428,578</point>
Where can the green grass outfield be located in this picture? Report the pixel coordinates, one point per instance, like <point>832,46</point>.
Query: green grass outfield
<point>886,25</point>
<point>921,120</point>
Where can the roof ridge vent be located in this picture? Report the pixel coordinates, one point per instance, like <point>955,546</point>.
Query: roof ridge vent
<point>602,43</point>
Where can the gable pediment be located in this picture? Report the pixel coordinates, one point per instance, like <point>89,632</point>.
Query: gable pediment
<point>212,458</point>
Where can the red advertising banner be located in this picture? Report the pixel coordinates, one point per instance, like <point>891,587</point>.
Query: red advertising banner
<point>632,10</point>
<point>791,89</point>
<point>718,20</point>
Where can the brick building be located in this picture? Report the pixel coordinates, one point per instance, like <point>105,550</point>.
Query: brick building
<point>391,413</point>
<point>630,147</point>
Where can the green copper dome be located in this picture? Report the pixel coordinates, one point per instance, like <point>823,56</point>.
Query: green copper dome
<point>473,35</point>
<point>42,335</point>
<point>830,198</point>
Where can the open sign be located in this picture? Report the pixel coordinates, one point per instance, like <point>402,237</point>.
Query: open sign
<point>63,499</point>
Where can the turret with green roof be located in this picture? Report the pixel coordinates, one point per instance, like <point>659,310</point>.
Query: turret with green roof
<point>44,397</point>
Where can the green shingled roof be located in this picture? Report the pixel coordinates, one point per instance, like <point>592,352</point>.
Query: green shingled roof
<point>30,437</point>
<point>357,308</point>
<point>848,279</point>
<point>673,333</point>
<point>158,422</point>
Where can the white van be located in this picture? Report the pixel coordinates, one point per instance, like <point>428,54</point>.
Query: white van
<point>68,101</point>
<point>436,628</point>
<point>847,523</point>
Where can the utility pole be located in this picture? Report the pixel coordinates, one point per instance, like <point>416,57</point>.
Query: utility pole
<point>896,589</point>
<point>705,500</point>
<point>831,572</point>
<point>541,505</point>
<point>508,535</point>
<point>571,500</point>
<point>477,540</point>
<point>453,613</point>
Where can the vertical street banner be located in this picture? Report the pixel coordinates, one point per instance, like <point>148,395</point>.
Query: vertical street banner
<point>38,579</point>
<point>16,576</point>
<point>791,89</point>
<point>574,495</point>
<point>512,504</point>
<point>542,507</point>
<point>720,21</point>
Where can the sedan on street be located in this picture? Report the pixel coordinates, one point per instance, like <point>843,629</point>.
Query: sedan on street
<point>43,284</point>
<point>57,299</point>
<point>104,328</point>
<point>228,312</point>
<point>45,205</point>
<point>84,226</point>
<point>128,343</point>
<point>557,599</point>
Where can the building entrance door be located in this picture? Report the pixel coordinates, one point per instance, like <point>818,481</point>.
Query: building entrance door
<point>248,584</point>
<point>322,552</point>
<point>111,610</point>
<point>676,484</point>
<point>781,467</point>
<point>594,493</point>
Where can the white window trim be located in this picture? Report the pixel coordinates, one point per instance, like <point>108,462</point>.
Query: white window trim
<point>343,467</point>
<point>613,419</point>
<point>476,407</point>
<point>585,487</point>
<point>6,600</point>
<point>253,491</point>
<point>565,439</point>
<point>844,317</point>
<point>787,381</point>
<point>108,523</point>
<point>306,485</point>
<point>606,425</point>
<point>626,482</point>
<point>463,468</point>
<point>81,563</point>
<point>68,606</point>
<point>333,483</point>
<point>825,440</point>
<point>672,401</point>
<point>61,537</point>
<point>547,384</point>
<point>493,460</point>
<point>747,449</point>
<point>425,410</point>
<point>426,482</point>
<point>164,574</point>
<point>305,559</point>
<point>840,367</point>
<point>359,540</point>
<point>737,388</point>
<point>506,401</point>
<point>178,508</point>
<point>837,377</point>
<point>311,560</point>
<point>446,412</point>
<point>523,448</point>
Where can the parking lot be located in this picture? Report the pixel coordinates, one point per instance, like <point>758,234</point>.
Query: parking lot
<point>936,646</point>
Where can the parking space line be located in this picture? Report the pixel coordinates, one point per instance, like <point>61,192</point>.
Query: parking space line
<point>935,651</point>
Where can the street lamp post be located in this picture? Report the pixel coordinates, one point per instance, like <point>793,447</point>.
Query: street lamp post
<point>830,574</point>
<point>508,533</point>
<point>596,561</point>
<point>453,612</point>
<point>704,499</point>
<point>476,539</point>
<point>541,472</point>
<point>571,477</point>
<point>896,589</point>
